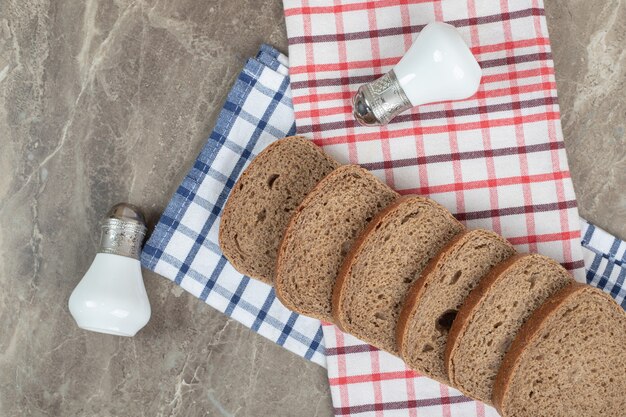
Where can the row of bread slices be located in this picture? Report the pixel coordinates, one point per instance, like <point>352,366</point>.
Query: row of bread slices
<point>402,274</point>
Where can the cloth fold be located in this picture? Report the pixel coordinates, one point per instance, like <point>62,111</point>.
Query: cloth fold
<point>184,249</point>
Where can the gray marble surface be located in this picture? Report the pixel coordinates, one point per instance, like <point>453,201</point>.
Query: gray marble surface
<point>109,101</point>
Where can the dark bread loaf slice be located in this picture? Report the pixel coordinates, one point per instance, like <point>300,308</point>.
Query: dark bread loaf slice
<point>491,317</point>
<point>385,261</point>
<point>435,298</point>
<point>263,199</point>
<point>321,233</point>
<point>569,359</point>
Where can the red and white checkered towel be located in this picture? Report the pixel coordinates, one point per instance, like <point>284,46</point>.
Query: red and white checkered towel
<point>496,160</point>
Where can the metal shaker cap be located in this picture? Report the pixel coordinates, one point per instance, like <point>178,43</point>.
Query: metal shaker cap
<point>379,101</point>
<point>123,231</point>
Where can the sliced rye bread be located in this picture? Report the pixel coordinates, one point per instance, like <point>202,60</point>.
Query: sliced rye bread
<point>491,317</point>
<point>434,300</point>
<point>263,199</point>
<point>387,258</point>
<point>569,359</point>
<point>321,233</point>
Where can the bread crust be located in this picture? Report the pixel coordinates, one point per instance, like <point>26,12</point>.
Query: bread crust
<point>341,281</point>
<point>230,206</point>
<point>344,271</point>
<point>414,297</point>
<point>529,332</point>
<point>467,310</point>
<point>417,290</point>
<point>278,277</point>
<point>229,210</point>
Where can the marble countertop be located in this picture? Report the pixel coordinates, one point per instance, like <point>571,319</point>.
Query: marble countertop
<point>103,102</point>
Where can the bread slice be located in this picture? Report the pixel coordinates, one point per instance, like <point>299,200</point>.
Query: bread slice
<point>263,199</point>
<point>569,359</point>
<point>320,234</point>
<point>385,261</point>
<point>491,317</point>
<point>435,298</point>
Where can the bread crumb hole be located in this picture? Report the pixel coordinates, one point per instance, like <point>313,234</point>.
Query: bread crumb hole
<point>498,324</point>
<point>480,246</point>
<point>380,316</point>
<point>261,216</point>
<point>409,217</point>
<point>271,180</point>
<point>455,278</point>
<point>532,280</point>
<point>444,322</point>
<point>427,348</point>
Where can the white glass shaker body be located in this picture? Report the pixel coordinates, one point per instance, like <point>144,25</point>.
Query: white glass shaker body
<point>111,297</point>
<point>438,67</point>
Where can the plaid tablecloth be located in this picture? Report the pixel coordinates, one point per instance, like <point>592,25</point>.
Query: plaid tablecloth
<point>184,249</point>
<point>496,160</point>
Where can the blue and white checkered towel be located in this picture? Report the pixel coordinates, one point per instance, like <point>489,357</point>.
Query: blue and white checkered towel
<point>605,261</point>
<point>184,245</point>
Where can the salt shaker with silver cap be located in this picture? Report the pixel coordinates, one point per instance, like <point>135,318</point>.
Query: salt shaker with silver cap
<point>439,66</point>
<point>111,297</point>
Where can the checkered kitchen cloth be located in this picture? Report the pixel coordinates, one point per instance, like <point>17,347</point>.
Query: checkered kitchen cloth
<point>496,160</point>
<point>184,245</point>
<point>184,248</point>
